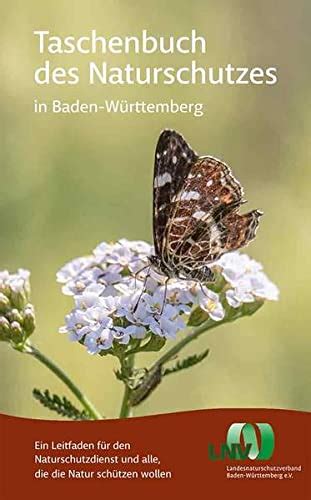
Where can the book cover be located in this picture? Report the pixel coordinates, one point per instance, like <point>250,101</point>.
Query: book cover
<point>154,204</point>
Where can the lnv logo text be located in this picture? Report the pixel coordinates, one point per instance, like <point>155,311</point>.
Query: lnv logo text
<point>245,441</point>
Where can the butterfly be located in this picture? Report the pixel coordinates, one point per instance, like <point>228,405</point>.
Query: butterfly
<point>196,219</point>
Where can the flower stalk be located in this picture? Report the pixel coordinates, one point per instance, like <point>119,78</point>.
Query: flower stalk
<point>127,367</point>
<point>195,333</point>
<point>48,363</point>
<point>231,315</point>
<point>126,407</point>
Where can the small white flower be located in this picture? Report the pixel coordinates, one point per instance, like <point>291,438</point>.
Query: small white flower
<point>233,298</point>
<point>239,295</point>
<point>18,282</point>
<point>235,265</point>
<point>264,288</point>
<point>210,303</point>
<point>77,325</point>
<point>109,304</point>
<point>121,257</point>
<point>179,293</point>
<point>246,278</point>
<point>16,286</point>
<point>98,318</point>
<point>101,251</point>
<point>110,276</point>
<point>87,299</point>
<point>136,331</point>
<point>4,276</point>
<point>121,335</point>
<point>23,274</point>
<point>72,269</point>
<point>168,323</point>
<point>89,277</point>
<point>126,305</point>
<point>141,248</point>
<point>98,341</point>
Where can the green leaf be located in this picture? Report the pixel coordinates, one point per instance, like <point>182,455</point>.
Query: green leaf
<point>154,344</point>
<point>186,363</point>
<point>252,307</point>
<point>117,350</point>
<point>244,310</point>
<point>197,317</point>
<point>105,352</point>
<point>60,405</point>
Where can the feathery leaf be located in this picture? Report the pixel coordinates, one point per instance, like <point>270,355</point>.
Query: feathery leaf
<point>186,363</point>
<point>60,405</point>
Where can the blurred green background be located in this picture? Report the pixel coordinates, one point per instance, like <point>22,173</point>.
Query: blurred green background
<point>69,182</point>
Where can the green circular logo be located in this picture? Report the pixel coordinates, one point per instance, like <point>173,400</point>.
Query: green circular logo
<point>262,451</point>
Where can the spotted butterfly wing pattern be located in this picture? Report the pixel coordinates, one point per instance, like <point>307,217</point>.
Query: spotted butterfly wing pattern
<point>173,160</point>
<point>200,206</point>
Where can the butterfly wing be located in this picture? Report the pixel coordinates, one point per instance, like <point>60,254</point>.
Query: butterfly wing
<point>204,221</point>
<point>173,161</point>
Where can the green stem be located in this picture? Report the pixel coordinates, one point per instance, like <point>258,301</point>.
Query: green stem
<point>127,367</point>
<point>128,362</point>
<point>196,332</point>
<point>87,405</point>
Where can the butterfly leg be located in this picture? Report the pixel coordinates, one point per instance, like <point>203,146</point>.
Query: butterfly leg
<point>195,280</point>
<point>138,273</point>
<point>165,294</point>
<point>202,289</point>
<point>208,277</point>
<point>143,289</point>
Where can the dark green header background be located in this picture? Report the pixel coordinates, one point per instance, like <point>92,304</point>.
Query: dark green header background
<point>69,182</point>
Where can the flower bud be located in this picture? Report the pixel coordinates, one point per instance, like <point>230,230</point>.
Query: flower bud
<point>29,322</point>
<point>18,298</point>
<point>4,303</point>
<point>4,288</point>
<point>4,329</point>
<point>15,315</point>
<point>16,332</point>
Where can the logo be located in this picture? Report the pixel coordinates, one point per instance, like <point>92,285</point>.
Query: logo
<point>245,441</point>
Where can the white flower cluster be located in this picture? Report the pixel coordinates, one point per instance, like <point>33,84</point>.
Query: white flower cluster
<point>17,317</point>
<point>15,282</point>
<point>246,279</point>
<point>118,297</point>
